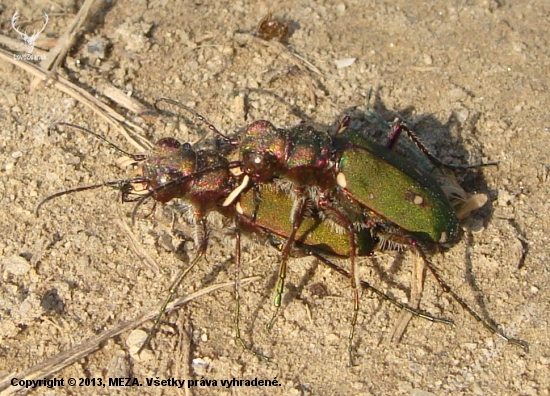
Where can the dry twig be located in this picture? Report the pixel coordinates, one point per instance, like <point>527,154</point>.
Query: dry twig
<point>56,363</point>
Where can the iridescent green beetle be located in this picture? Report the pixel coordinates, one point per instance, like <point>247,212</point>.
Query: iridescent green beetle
<point>398,200</point>
<point>392,192</point>
<point>354,181</point>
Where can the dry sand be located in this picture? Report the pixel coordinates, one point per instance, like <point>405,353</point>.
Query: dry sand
<point>472,75</point>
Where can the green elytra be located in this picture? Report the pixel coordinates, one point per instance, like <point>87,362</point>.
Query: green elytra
<point>391,188</point>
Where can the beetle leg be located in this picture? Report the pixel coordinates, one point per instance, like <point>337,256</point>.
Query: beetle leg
<point>343,125</point>
<point>355,282</point>
<point>394,136</point>
<point>446,288</point>
<point>423,252</point>
<point>238,296</point>
<point>202,245</point>
<point>401,127</point>
<point>381,294</point>
<point>298,215</point>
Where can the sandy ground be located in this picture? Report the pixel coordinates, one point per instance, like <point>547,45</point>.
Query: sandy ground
<point>473,77</point>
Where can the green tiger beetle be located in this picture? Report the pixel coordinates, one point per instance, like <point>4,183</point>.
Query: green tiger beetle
<point>165,182</point>
<point>202,177</point>
<point>357,183</point>
<point>325,171</point>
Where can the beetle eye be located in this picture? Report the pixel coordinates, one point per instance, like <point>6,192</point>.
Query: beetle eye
<point>258,160</point>
<point>255,161</point>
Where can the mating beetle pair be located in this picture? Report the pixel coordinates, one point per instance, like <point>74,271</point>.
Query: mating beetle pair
<point>204,179</point>
<point>350,180</point>
<point>363,187</point>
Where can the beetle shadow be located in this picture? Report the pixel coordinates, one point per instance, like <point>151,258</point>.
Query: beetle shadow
<point>248,94</point>
<point>386,273</point>
<point>447,141</point>
<point>227,265</point>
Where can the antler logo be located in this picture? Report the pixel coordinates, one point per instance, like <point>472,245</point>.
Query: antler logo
<point>29,40</point>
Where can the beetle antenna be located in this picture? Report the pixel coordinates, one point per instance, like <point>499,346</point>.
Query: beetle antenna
<point>190,110</point>
<point>118,183</point>
<point>135,157</point>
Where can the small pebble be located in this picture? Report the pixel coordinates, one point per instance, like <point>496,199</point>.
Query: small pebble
<point>344,62</point>
<point>15,265</point>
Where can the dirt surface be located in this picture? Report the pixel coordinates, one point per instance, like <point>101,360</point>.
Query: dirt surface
<point>472,76</point>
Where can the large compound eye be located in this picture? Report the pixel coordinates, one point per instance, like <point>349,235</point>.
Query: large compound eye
<point>256,162</point>
<point>260,166</point>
